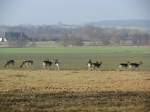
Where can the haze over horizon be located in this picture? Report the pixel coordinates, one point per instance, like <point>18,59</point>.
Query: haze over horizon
<point>39,12</point>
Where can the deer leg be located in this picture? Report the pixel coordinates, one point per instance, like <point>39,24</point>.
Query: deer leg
<point>130,67</point>
<point>26,65</point>
<point>44,65</point>
<point>5,65</point>
<point>57,65</point>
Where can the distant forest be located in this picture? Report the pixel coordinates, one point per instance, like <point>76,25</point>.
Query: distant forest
<point>82,35</point>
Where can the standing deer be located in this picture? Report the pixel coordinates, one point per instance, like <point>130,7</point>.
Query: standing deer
<point>97,65</point>
<point>93,66</point>
<point>9,62</point>
<point>135,65</point>
<point>123,66</point>
<point>57,64</point>
<point>26,63</point>
<point>47,64</point>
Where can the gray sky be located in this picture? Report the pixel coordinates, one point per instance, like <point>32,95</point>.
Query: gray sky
<point>38,12</point>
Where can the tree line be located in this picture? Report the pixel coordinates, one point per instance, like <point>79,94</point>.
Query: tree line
<point>81,34</point>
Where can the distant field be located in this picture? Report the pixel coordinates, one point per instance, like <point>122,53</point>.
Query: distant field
<point>76,58</point>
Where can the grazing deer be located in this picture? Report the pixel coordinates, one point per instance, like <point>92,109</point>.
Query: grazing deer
<point>135,65</point>
<point>26,63</point>
<point>57,64</point>
<point>47,63</point>
<point>96,65</point>
<point>123,65</point>
<point>9,62</point>
<point>89,64</point>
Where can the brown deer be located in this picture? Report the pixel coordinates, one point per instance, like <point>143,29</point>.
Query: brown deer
<point>123,66</point>
<point>57,64</point>
<point>26,63</point>
<point>97,65</point>
<point>47,64</point>
<point>93,66</point>
<point>9,62</point>
<point>135,65</point>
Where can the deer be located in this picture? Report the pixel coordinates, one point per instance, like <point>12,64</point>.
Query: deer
<point>57,64</point>
<point>97,65</point>
<point>90,64</point>
<point>10,62</point>
<point>135,65</point>
<point>93,66</point>
<point>124,65</point>
<point>47,63</point>
<point>26,63</point>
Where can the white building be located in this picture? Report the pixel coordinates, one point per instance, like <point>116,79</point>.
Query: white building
<point>2,37</point>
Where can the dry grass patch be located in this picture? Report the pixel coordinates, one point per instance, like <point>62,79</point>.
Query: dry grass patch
<point>74,91</point>
<point>44,80</point>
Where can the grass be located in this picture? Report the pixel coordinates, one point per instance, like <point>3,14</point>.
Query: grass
<point>76,58</point>
<point>20,101</point>
<point>73,80</point>
<point>74,91</point>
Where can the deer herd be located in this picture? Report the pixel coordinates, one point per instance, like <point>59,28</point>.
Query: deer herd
<point>122,66</point>
<point>91,65</point>
<point>28,63</point>
<point>129,65</point>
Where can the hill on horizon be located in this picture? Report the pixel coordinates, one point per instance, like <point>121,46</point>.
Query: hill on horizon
<point>122,23</point>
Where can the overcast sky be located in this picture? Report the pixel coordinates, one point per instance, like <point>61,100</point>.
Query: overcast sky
<point>38,12</point>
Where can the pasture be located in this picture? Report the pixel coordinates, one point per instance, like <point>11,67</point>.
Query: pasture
<point>74,91</point>
<point>74,88</point>
<point>76,58</point>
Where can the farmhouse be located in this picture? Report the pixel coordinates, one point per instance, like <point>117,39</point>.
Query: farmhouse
<point>13,36</point>
<point>13,39</point>
<point>2,37</point>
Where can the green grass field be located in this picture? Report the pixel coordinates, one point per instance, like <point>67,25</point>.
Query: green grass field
<point>76,58</point>
<point>75,89</point>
